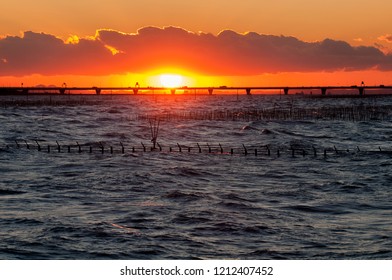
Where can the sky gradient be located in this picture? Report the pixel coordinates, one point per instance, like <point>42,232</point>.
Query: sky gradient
<point>246,42</point>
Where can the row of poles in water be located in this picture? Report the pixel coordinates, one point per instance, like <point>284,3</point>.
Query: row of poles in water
<point>340,113</point>
<point>257,150</point>
<point>261,150</point>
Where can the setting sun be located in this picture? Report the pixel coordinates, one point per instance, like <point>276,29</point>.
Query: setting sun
<point>170,80</point>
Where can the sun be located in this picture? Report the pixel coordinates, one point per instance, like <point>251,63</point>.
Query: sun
<point>170,80</point>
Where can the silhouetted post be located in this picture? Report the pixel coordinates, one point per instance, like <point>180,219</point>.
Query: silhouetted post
<point>122,148</point>
<point>79,148</point>
<point>245,150</point>
<point>58,147</point>
<point>199,147</point>
<point>38,146</point>
<point>179,148</point>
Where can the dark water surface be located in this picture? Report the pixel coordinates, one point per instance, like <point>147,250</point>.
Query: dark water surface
<point>191,205</point>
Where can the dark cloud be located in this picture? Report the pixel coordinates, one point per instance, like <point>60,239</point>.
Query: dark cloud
<point>38,53</point>
<point>228,53</point>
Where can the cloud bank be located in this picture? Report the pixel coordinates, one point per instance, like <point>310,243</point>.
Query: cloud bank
<point>228,53</point>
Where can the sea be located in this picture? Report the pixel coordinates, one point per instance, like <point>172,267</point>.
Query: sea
<point>193,176</point>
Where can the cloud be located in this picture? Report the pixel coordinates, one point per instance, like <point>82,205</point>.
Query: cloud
<point>387,38</point>
<point>228,53</point>
<point>39,53</point>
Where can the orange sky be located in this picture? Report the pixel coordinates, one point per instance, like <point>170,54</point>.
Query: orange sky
<point>107,43</point>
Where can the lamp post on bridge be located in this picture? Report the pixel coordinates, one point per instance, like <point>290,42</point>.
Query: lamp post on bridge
<point>136,88</point>
<point>362,88</point>
<point>63,88</point>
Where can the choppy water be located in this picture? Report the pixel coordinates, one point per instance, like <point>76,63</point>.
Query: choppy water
<point>172,205</point>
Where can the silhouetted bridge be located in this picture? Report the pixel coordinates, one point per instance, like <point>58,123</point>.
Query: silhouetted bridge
<point>135,90</point>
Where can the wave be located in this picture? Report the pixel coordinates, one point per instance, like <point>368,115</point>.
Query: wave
<point>322,209</point>
<point>10,192</point>
<point>187,196</point>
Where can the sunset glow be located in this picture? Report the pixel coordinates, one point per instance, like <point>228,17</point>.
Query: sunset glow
<point>170,80</point>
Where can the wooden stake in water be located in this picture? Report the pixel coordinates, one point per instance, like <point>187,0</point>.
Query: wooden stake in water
<point>154,127</point>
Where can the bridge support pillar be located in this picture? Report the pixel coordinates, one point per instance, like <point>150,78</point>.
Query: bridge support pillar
<point>323,91</point>
<point>98,91</point>
<point>135,90</point>
<point>248,91</point>
<point>173,91</point>
<point>286,91</point>
<point>210,90</point>
<point>361,90</point>
<point>62,90</point>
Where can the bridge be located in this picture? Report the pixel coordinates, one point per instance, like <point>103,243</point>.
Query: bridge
<point>135,90</point>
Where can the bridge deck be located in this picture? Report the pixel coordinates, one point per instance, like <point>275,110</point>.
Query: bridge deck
<point>210,90</point>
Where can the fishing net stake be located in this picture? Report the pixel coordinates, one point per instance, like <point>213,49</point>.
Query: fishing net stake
<point>154,128</point>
